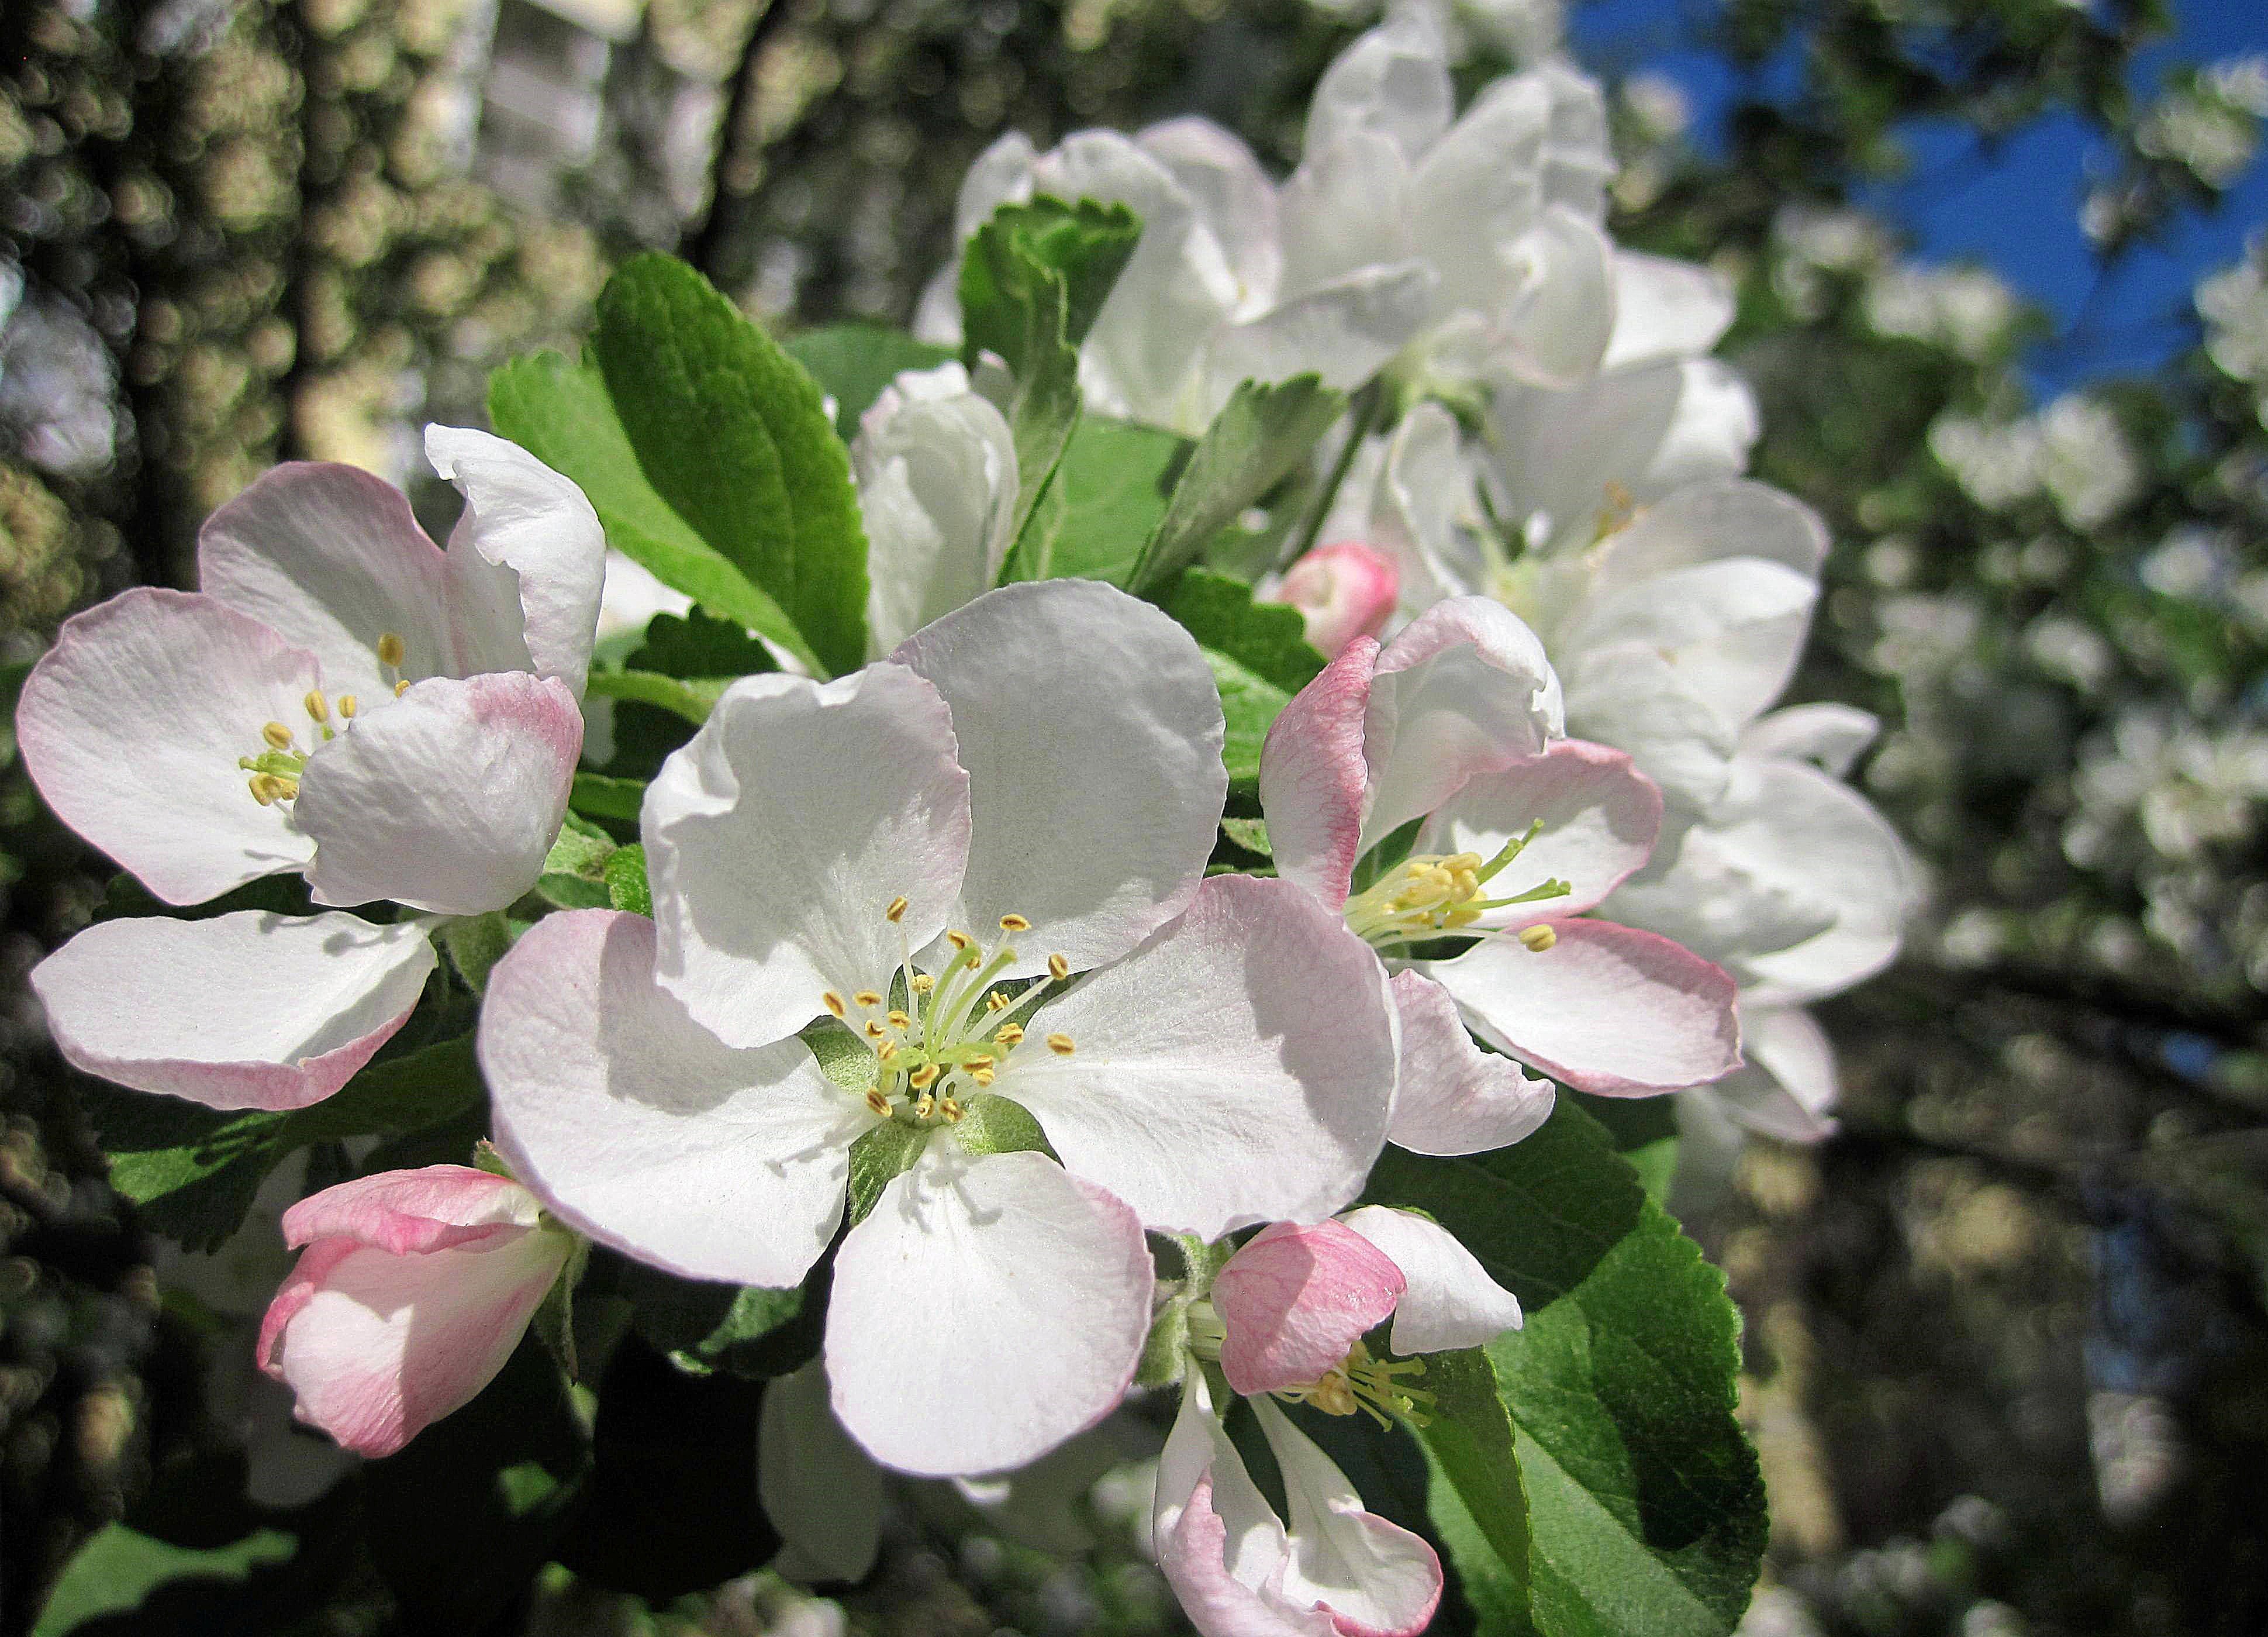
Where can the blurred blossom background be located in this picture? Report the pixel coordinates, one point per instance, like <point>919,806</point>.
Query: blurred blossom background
<point>2003,276</point>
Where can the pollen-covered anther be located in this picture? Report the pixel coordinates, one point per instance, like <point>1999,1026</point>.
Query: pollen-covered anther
<point>879,1103</point>
<point>401,688</point>
<point>318,707</point>
<point>1059,967</point>
<point>899,1019</point>
<point>867,998</point>
<point>982,1077</point>
<point>995,1001</point>
<point>950,1108</point>
<point>1060,1043</point>
<point>391,649</point>
<point>277,736</point>
<point>897,911</point>
<point>924,982</point>
<point>925,1106</point>
<point>1538,938</point>
<point>959,940</point>
<point>1014,924</point>
<point>833,1002</point>
<point>887,1052</point>
<point>348,705</point>
<point>873,1031</point>
<point>1009,1034</point>
<point>923,1077</point>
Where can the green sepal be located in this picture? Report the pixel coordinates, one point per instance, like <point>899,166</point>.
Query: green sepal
<point>474,944</point>
<point>878,1156</point>
<point>627,889</point>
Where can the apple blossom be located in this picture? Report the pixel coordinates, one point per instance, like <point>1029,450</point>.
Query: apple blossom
<point>1453,728</point>
<point>814,851</point>
<point>1343,591</point>
<point>411,1290</point>
<point>1474,236</point>
<point>345,700</point>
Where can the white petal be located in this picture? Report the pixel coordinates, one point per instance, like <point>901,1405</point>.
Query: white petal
<point>527,559</point>
<point>1391,81</point>
<point>1453,1097</point>
<point>1233,198</point>
<point>1789,1082</point>
<point>1377,1578</point>
<point>1343,330</point>
<point>819,1489</point>
<point>1451,1302</point>
<point>243,1011</point>
<point>1627,695</point>
<point>1552,324</point>
<point>776,839</point>
<point>1710,522</point>
<point>1604,1009</point>
<point>1833,735</point>
<point>937,488</point>
<point>1666,309</point>
<point>642,1129</point>
<point>1344,211</point>
<point>132,726</point>
<point>1478,189</point>
<point>1315,784</point>
<point>1220,1547</point>
<point>1091,728</point>
<point>1002,174</point>
<point>1601,817</point>
<point>1465,689</point>
<point>447,798</point>
<point>1236,1068</point>
<point>332,558</point>
<point>947,1336</point>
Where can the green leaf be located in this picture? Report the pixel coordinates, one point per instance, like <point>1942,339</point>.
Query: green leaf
<point>626,883</point>
<point>460,1520</point>
<point>193,1171</point>
<point>692,700</point>
<point>574,871</point>
<point>1258,437</point>
<point>1250,834</point>
<point>1475,1496</point>
<point>1270,639</point>
<point>602,797</point>
<point>852,363</point>
<point>695,645</point>
<point>730,431</point>
<point>1249,703</point>
<point>119,1569</point>
<point>1034,277</point>
<point>1645,1509</point>
<point>1644,1131</point>
<point>995,1125</point>
<point>560,412</point>
<point>1108,498</point>
<point>704,1325</point>
<point>474,944</point>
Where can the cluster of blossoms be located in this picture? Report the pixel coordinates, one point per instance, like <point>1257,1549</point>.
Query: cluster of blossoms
<point>941,993</point>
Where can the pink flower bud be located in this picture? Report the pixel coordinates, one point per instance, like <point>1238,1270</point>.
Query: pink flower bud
<point>1295,1299</point>
<point>413,1288</point>
<point>1343,591</point>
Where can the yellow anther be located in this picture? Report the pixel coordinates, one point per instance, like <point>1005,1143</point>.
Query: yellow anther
<point>982,1077</point>
<point>1059,967</point>
<point>348,705</point>
<point>260,792</point>
<point>951,1110</point>
<point>886,1051</point>
<point>318,707</point>
<point>899,1019</point>
<point>1060,1043</point>
<point>277,736</point>
<point>833,1002</point>
<point>897,910</point>
<point>1009,1034</point>
<point>924,982</point>
<point>879,1103</point>
<point>390,648</point>
<point>922,1108</point>
<point>995,1001</point>
<point>1538,938</point>
<point>867,998</point>
<point>959,940</point>
<point>401,688</point>
<point>1014,924</point>
<point>981,1060</point>
<point>874,1032</point>
<point>923,1077</point>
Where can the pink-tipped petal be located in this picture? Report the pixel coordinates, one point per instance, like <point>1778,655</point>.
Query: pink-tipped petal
<point>1451,1302</point>
<point>1606,1009</point>
<point>1295,1299</point>
<point>132,726</point>
<point>242,1011</point>
<point>1342,592</point>
<point>1601,817</point>
<point>1466,688</point>
<point>946,1341</point>
<point>1453,1097</point>
<point>378,1347</point>
<point>447,799</point>
<point>1375,1578</point>
<point>1315,783</point>
<point>437,1208</point>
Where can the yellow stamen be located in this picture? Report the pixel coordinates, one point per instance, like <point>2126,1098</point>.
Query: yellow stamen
<point>951,1110</point>
<point>348,705</point>
<point>996,1002</point>
<point>391,650</point>
<point>959,940</point>
<point>1538,938</point>
<point>897,910</point>
<point>923,1077</point>
<point>834,1003</point>
<point>277,736</point>
<point>879,1103</point>
<point>401,688</point>
<point>886,1051</point>
<point>1014,924</point>
<point>1010,1033</point>
<point>981,1060</point>
<point>1060,1043</point>
<point>1059,967</point>
<point>867,998</point>
<point>924,982</point>
<point>318,707</point>
<point>874,1032</point>
<point>899,1019</point>
<point>922,1108</point>
<point>982,1077</point>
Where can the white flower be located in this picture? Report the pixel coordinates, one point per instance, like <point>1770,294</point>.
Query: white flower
<point>1042,766</point>
<point>342,699</point>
